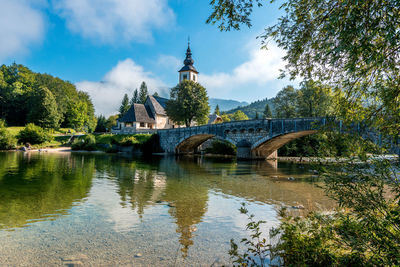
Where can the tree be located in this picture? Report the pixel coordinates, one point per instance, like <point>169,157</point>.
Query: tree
<point>226,117</point>
<point>216,111</point>
<point>155,94</point>
<point>351,46</point>
<point>111,121</point>
<point>314,100</point>
<point>124,105</point>
<point>267,112</point>
<point>256,117</point>
<point>135,97</point>
<point>101,124</point>
<point>143,93</point>
<point>239,116</point>
<point>188,103</point>
<point>286,102</point>
<point>43,109</point>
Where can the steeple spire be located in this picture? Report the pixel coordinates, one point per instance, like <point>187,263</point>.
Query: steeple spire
<point>188,71</point>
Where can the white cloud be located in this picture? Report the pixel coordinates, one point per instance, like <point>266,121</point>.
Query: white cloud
<point>123,78</point>
<point>169,62</point>
<point>21,25</point>
<point>260,70</point>
<point>115,21</point>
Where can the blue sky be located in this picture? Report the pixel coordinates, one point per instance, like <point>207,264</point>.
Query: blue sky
<point>108,47</point>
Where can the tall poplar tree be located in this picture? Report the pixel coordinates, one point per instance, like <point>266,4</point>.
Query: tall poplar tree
<point>267,112</point>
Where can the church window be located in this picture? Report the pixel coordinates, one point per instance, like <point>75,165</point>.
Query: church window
<point>185,76</point>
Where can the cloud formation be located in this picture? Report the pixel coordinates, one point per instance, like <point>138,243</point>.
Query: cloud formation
<point>121,79</point>
<point>21,25</point>
<point>262,68</point>
<point>115,21</point>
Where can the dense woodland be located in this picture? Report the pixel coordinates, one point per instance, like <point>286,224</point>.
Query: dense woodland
<point>47,101</point>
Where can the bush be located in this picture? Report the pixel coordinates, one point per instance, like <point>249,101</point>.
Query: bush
<point>7,141</point>
<point>88,142</point>
<point>34,135</point>
<point>129,141</point>
<point>221,147</point>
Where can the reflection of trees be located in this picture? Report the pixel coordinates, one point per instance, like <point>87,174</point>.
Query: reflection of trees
<point>35,187</point>
<point>138,182</point>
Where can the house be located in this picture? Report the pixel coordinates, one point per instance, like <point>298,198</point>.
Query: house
<point>151,115</point>
<point>214,118</point>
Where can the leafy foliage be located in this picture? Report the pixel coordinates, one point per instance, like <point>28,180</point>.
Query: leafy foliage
<point>26,96</point>
<point>7,140</point>
<point>101,124</point>
<point>33,134</point>
<point>88,142</point>
<point>239,116</point>
<point>188,103</point>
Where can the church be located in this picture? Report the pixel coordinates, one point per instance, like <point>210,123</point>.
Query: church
<point>152,114</point>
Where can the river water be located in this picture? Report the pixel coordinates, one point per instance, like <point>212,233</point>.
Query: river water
<point>106,210</point>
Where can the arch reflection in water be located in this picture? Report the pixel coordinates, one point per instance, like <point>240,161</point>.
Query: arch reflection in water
<point>36,187</point>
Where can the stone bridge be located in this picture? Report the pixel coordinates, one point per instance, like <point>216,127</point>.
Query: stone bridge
<point>254,139</point>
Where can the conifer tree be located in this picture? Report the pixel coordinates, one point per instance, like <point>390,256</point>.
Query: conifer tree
<point>124,105</point>
<point>216,111</point>
<point>143,93</point>
<point>267,112</point>
<point>155,94</point>
<point>135,97</point>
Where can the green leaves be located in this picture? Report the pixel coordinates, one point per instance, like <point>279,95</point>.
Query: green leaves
<point>188,103</point>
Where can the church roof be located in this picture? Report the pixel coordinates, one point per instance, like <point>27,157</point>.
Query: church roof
<point>159,104</point>
<point>138,113</point>
<point>212,118</point>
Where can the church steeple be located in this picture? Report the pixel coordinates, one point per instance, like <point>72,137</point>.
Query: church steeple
<point>188,71</point>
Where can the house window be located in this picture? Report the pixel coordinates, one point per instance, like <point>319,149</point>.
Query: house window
<point>142,124</point>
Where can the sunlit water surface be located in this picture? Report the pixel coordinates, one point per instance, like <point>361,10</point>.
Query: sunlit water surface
<point>102,210</point>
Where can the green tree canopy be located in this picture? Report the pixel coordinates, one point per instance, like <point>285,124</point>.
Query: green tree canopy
<point>315,100</point>
<point>286,102</point>
<point>188,103</point>
<point>124,105</point>
<point>239,116</point>
<point>143,93</point>
<point>43,109</point>
<point>267,112</point>
<point>101,124</point>
<point>155,94</point>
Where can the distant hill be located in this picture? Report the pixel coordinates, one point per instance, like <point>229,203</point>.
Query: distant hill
<point>257,106</point>
<point>224,104</point>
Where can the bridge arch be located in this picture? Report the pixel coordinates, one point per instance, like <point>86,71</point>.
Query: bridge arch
<point>267,146</point>
<point>189,144</point>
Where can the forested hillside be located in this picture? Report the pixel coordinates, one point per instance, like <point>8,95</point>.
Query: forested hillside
<point>47,101</point>
<point>255,107</point>
<point>225,104</point>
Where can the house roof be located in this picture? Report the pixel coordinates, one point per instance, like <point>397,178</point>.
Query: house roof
<point>159,104</point>
<point>213,118</point>
<point>138,113</point>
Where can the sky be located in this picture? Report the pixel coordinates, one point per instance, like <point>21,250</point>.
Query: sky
<point>108,47</point>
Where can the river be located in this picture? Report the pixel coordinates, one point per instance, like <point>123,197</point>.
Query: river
<point>106,210</point>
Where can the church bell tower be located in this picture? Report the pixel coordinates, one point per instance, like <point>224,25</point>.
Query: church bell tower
<point>188,71</point>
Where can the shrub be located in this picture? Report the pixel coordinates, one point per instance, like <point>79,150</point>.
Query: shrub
<point>88,142</point>
<point>7,141</point>
<point>34,135</point>
<point>129,141</point>
<point>221,147</point>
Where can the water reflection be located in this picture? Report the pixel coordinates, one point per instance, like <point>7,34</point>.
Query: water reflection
<point>37,187</point>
